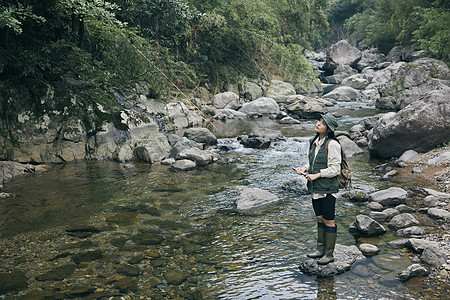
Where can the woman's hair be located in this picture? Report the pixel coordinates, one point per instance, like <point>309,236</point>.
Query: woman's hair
<point>330,135</point>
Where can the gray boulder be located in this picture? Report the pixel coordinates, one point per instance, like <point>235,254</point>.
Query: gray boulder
<point>431,201</point>
<point>307,107</point>
<point>412,271</point>
<point>252,91</point>
<point>152,150</point>
<point>402,208</point>
<point>201,135</point>
<point>343,93</point>
<point>349,146</point>
<point>228,113</point>
<point>263,106</point>
<point>123,153</point>
<point>438,213</point>
<point>375,206</point>
<point>297,185</point>
<point>427,120</point>
<point>280,90</point>
<point>418,245</point>
<point>345,257</point>
<point>390,197</point>
<point>408,157</point>
<point>356,195</point>
<point>341,53</point>
<point>252,198</point>
<point>378,216</point>
<point>369,249</point>
<point>183,144</point>
<point>200,157</point>
<point>184,165</point>
<point>443,158</point>
<point>390,213</point>
<point>369,58</point>
<point>402,221</point>
<point>366,226</point>
<point>226,100</point>
<point>411,231</point>
<point>433,256</point>
<point>358,82</point>
<point>340,73</point>
<point>310,88</point>
<point>271,134</point>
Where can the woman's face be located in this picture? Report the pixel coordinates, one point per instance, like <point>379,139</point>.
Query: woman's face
<point>321,127</point>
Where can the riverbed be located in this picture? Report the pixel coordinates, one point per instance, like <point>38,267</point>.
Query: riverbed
<point>106,230</point>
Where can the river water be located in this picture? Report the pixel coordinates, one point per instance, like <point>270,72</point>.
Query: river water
<point>140,231</point>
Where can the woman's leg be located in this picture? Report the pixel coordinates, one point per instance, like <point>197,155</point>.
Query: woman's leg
<point>328,205</point>
<point>320,249</point>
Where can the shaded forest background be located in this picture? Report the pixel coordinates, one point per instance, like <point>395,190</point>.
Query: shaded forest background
<point>183,44</point>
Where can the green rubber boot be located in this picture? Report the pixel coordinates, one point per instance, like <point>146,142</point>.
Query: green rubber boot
<point>320,250</point>
<point>330,242</point>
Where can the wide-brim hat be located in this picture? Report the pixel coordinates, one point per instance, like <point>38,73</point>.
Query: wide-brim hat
<point>330,120</point>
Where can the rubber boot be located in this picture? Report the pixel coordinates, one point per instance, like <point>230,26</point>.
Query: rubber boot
<point>330,242</point>
<point>320,250</point>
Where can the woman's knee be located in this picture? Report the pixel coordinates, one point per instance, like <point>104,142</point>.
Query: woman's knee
<point>320,219</point>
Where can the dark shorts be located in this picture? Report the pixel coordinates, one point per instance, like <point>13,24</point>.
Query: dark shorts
<point>325,207</point>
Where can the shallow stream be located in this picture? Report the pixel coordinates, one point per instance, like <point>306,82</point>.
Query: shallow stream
<point>106,230</point>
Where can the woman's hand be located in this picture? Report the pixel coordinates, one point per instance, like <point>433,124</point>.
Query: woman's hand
<point>301,171</point>
<point>312,177</point>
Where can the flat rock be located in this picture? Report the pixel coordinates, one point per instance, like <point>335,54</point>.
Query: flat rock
<point>369,249</point>
<point>402,221</point>
<point>254,198</point>
<point>438,213</point>
<point>391,197</point>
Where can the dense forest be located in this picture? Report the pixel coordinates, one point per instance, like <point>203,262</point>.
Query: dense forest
<point>182,44</point>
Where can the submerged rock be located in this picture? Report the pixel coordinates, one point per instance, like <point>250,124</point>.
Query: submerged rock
<point>254,198</point>
<point>12,281</point>
<point>345,257</point>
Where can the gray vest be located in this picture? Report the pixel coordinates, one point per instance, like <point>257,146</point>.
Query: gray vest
<point>321,185</point>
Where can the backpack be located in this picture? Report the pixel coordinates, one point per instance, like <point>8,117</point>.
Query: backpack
<point>345,177</point>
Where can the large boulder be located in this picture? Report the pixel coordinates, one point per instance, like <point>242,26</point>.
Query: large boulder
<point>340,73</point>
<point>391,197</point>
<point>263,106</point>
<point>345,257</point>
<point>260,138</point>
<point>200,157</point>
<point>412,81</point>
<point>201,135</point>
<point>433,256</point>
<point>252,198</point>
<point>358,82</point>
<point>307,107</point>
<point>252,90</point>
<point>349,146</point>
<point>343,93</point>
<point>420,127</point>
<point>369,58</point>
<point>280,90</point>
<point>226,100</point>
<point>183,144</point>
<point>154,149</point>
<point>341,53</point>
<point>403,221</point>
<point>366,226</point>
<point>296,185</point>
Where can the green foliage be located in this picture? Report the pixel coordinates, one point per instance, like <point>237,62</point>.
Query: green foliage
<point>13,16</point>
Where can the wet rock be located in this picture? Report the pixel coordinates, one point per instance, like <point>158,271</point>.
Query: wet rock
<point>402,208</point>
<point>176,277</point>
<point>82,231</point>
<point>227,113</point>
<point>378,216</point>
<point>254,197</point>
<point>418,245</point>
<point>382,168</point>
<point>375,206</point>
<point>125,218</point>
<point>128,270</point>
<point>87,256</point>
<point>136,259</point>
<point>254,142</point>
<point>357,81</point>
<point>148,238</point>
<point>127,284</point>
<point>366,226</point>
<point>58,273</point>
<point>297,185</point>
<point>390,197</point>
<point>412,271</point>
<point>411,231</point>
<point>390,174</point>
<point>369,249</point>
<point>402,221</point>
<point>345,257</point>
<point>398,244</point>
<point>12,281</point>
<point>438,213</point>
<point>201,135</point>
<point>390,213</point>
<point>433,256</point>
<point>184,165</point>
<point>226,100</point>
<point>341,53</point>
<point>271,134</point>
<point>153,149</point>
<point>289,120</point>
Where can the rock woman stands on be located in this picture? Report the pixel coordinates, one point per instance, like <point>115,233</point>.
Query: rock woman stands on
<point>323,166</point>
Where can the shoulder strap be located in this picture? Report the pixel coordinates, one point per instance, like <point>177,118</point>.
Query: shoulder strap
<point>326,145</point>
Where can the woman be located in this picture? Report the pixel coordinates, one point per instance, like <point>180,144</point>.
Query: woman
<point>321,170</point>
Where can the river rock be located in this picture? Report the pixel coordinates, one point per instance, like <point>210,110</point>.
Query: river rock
<point>343,93</point>
<point>226,100</point>
<point>309,89</point>
<point>184,165</point>
<point>58,273</point>
<point>437,194</point>
<point>438,213</point>
<point>349,146</point>
<point>433,256</point>
<point>200,157</point>
<point>345,257</point>
<point>307,107</point>
<point>443,158</point>
<point>263,106</point>
<point>123,154</point>
<point>428,120</point>
<point>390,197</point>
<point>357,81</point>
<point>10,281</point>
<point>341,53</point>
<point>369,58</point>
<point>375,206</point>
<point>390,213</point>
<point>201,135</point>
<point>280,91</point>
<point>127,284</point>
<point>431,201</point>
<point>408,157</point>
<point>356,131</point>
<point>402,221</point>
<point>87,256</point>
<point>183,144</point>
<point>411,231</point>
<point>402,208</point>
<point>366,226</point>
<point>356,195</point>
<point>251,198</point>
<point>398,244</point>
<point>252,91</point>
<point>418,245</point>
<point>176,277</point>
<point>153,149</point>
<point>289,120</point>
<point>227,113</point>
<point>369,249</point>
<point>297,185</point>
<point>412,271</point>
<point>271,134</point>
<point>378,216</point>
